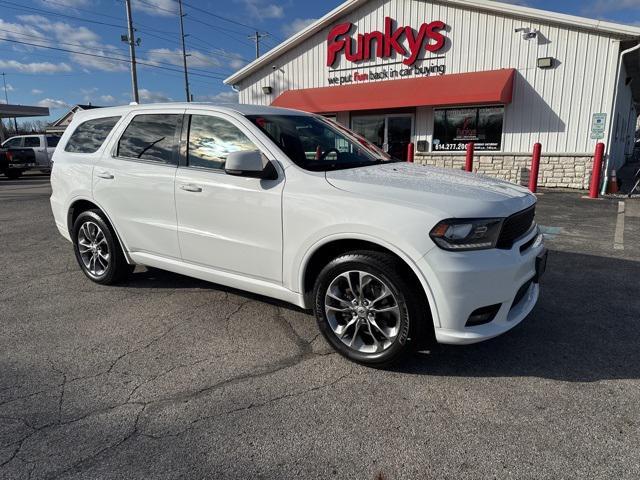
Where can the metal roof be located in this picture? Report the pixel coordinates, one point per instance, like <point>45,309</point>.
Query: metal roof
<point>13,111</point>
<point>569,21</point>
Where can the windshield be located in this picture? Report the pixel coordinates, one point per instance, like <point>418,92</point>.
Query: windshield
<point>316,143</point>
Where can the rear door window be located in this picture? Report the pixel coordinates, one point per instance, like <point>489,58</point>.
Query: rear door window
<point>151,137</point>
<point>13,143</point>
<point>89,136</point>
<point>32,142</point>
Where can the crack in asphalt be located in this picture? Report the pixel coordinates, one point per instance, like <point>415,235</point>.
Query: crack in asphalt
<point>249,407</point>
<point>148,408</point>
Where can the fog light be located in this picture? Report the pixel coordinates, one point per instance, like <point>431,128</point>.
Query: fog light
<point>483,315</point>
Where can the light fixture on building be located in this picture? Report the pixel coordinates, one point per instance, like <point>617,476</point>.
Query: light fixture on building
<point>545,62</point>
<point>527,34</point>
<point>267,90</point>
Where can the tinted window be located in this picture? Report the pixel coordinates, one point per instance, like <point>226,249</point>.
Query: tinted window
<point>32,142</point>
<point>89,136</point>
<point>150,137</point>
<point>52,141</point>
<point>13,143</point>
<point>211,139</point>
<point>455,128</point>
<point>315,143</point>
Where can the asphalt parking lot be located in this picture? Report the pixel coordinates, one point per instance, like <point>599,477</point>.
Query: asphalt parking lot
<point>170,377</point>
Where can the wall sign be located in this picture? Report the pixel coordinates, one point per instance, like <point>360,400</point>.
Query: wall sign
<point>598,124</point>
<point>384,44</point>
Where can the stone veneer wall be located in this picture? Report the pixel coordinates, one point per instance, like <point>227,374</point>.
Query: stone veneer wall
<point>566,171</point>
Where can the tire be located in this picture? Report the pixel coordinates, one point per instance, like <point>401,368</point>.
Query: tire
<point>400,317</point>
<point>97,249</point>
<point>13,174</point>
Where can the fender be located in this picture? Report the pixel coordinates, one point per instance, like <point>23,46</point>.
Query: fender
<point>380,242</point>
<point>123,246</point>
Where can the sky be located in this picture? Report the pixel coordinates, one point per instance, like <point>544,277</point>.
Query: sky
<point>55,70</point>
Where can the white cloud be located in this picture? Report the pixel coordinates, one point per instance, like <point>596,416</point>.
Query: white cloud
<point>296,25</point>
<point>162,8</point>
<point>34,67</point>
<point>36,91</point>
<point>89,40</point>
<point>10,88</point>
<point>53,103</point>
<point>196,59</point>
<point>148,96</point>
<point>108,99</point>
<point>21,32</point>
<point>219,98</point>
<point>261,10</point>
<point>62,4</point>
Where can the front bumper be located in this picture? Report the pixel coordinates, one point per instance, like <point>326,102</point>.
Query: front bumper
<point>462,282</point>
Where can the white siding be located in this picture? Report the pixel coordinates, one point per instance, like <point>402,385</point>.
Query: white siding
<point>553,106</point>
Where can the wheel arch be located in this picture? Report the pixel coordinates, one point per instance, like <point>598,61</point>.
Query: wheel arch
<point>322,252</point>
<point>80,205</point>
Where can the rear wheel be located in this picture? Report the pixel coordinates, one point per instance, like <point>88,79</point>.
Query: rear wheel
<point>13,174</point>
<point>368,309</point>
<point>97,249</point>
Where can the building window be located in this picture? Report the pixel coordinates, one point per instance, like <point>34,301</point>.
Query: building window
<point>454,128</point>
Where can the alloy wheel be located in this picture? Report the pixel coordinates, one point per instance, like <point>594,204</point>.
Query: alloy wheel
<point>93,248</point>
<point>362,311</point>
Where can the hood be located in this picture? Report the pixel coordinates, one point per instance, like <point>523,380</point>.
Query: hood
<point>455,193</point>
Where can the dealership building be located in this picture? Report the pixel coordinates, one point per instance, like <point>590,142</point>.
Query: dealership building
<point>442,74</point>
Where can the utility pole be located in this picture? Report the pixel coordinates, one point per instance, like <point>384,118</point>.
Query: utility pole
<point>132,53</point>
<point>6,99</point>
<point>256,38</point>
<point>184,53</point>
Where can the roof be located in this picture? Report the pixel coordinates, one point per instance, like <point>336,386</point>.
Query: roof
<point>537,15</point>
<point>8,110</point>
<point>492,87</point>
<point>71,111</point>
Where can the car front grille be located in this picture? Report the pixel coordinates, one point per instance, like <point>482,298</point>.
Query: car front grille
<point>515,227</point>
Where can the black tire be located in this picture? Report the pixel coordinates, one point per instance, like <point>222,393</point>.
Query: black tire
<point>413,310</point>
<point>117,268</point>
<point>13,174</point>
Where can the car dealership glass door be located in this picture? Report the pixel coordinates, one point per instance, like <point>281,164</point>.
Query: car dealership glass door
<point>390,132</point>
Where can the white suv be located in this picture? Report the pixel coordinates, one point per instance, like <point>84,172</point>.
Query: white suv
<point>296,207</point>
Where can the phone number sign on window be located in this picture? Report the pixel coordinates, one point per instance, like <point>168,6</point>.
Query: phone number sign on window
<point>454,128</point>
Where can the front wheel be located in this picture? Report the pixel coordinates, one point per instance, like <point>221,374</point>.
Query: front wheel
<point>367,307</point>
<point>13,174</point>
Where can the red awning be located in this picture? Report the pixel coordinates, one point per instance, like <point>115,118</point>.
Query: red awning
<point>492,87</point>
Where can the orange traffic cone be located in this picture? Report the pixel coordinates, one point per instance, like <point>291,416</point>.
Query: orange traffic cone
<point>613,183</point>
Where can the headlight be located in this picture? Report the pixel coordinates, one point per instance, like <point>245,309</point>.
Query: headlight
<point>465,234</point>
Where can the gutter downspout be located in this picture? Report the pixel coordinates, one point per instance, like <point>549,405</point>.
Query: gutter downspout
<point>613,116</point>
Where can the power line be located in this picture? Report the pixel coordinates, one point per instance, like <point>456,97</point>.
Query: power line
<point>52,42</point>
<point>119,59</point>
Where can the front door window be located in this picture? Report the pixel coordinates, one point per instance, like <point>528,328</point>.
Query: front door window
<point>392,133</point>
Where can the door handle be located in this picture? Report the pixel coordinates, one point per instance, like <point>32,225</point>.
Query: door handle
<point>190,187</point>
<point>105,175</point>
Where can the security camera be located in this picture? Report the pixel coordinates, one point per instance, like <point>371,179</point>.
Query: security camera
<point>527,34</point>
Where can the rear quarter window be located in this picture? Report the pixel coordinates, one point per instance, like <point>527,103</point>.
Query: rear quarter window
<point>89,136</point>
<point>52,141</point>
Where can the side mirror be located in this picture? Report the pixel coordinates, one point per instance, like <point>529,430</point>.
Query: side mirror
<point>250,163</point>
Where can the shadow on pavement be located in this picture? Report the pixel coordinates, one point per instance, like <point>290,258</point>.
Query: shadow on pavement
<point>585,328</point>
